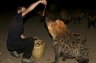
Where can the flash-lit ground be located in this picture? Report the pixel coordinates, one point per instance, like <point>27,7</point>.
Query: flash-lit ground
<point>33,27</point>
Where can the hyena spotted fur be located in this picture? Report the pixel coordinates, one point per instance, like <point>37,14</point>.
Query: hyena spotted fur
<point>66,44</point>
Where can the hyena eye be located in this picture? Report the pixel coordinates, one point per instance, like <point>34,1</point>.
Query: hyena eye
<point>51,24</point>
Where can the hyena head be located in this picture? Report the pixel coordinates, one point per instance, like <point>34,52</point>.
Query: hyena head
<point>56,27</point>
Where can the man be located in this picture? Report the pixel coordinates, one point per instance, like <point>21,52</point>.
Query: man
<point>16,42</point>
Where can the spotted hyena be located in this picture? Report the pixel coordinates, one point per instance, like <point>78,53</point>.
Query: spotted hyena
<point>66,44</point>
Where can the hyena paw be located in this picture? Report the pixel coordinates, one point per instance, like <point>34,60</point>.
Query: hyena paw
<point>54,62</point>
<point>84,61</point>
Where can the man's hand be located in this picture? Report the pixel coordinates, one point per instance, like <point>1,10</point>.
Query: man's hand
<point>43,2</point>
<point>33,5</point>
<point>23,36</point>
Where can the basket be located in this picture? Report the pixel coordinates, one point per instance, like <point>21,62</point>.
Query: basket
<point>38,49</point>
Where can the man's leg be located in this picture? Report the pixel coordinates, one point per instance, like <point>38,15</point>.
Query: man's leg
<point>26,58</point>
<point>24,46</point>
<point>29,47</point>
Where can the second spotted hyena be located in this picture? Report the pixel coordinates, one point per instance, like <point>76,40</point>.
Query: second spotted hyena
<point>67,45</point>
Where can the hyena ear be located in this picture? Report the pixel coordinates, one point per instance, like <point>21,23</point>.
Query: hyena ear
<point>59,22</point>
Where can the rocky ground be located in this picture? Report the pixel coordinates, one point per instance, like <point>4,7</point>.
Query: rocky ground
<point>34,28</point>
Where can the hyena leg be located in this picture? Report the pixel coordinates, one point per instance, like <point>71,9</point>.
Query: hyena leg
<point>63,56</point>
<point>83,60</point>
<point>57,56</point>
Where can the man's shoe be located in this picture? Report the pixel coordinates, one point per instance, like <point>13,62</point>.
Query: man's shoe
<point>15,54</point>
<point>25,60</point>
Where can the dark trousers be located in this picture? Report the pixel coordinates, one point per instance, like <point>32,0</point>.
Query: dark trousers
<point>24,46</point>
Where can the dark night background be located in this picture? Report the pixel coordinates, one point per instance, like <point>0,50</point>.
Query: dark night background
<point>12,4</point>
<point>34,27</point>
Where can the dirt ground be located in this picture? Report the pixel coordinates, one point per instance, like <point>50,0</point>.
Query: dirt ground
<point>34,28</point>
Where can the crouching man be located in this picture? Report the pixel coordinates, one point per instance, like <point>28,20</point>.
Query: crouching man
<point>16,42</point>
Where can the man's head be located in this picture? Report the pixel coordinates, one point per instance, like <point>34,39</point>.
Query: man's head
<point>21,9</point>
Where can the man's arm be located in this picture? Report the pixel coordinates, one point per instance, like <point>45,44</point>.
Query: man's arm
<point>32,6</point>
